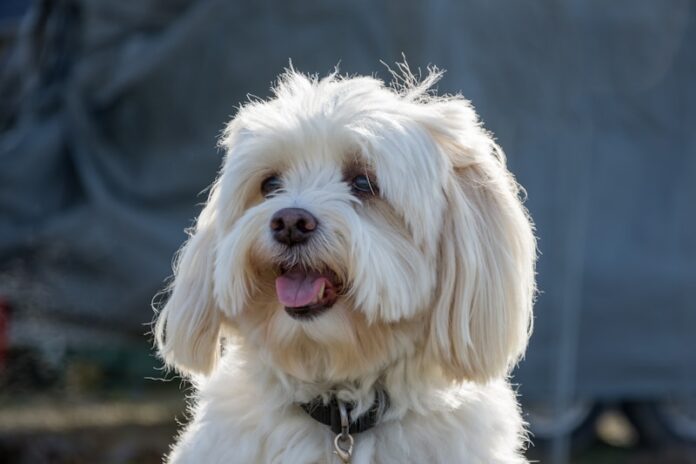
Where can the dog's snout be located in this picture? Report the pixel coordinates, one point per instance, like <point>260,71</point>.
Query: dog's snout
<point>292,226</point>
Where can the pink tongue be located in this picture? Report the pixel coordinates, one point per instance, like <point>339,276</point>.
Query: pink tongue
<point>296,289</point>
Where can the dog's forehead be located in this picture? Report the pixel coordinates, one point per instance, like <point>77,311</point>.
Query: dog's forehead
<point>323,121</point>
<point>302,145</point>
<point>381,142</point>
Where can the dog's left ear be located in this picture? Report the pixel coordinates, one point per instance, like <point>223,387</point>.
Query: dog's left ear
<point>483,316</point>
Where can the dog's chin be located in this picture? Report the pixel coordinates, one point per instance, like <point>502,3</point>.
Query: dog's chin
<point>307,313</point>
<point>329,343</point>
<point>335,344</point>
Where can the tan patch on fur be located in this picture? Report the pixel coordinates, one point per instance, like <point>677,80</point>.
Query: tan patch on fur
<point>363,348</point>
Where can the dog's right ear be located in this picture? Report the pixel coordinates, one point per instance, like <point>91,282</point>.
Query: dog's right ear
<point>187,330</point>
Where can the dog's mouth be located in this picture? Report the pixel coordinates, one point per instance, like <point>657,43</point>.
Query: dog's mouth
<point>306,293</point>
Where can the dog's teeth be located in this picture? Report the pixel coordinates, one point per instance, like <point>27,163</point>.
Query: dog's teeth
<point>321,292</point>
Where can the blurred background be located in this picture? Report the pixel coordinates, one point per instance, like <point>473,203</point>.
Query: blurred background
<point>109,114</point>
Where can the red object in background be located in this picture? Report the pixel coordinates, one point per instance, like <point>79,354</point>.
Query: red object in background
<point>4,332</point>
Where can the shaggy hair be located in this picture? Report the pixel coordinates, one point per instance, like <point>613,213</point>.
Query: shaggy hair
<point>434,266</point>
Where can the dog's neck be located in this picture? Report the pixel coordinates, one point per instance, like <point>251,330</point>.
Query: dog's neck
<point>409,383</point>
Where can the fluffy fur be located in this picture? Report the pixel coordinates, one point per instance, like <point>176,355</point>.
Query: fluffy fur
<point>437,272</point>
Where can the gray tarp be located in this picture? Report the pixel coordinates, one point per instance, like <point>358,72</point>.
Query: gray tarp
<point>109,112</point>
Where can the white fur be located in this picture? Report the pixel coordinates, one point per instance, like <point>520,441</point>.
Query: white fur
<point>438,273</point>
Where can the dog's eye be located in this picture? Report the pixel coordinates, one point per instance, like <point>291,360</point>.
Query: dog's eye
<point>270,185</point>
<point>363,185</point>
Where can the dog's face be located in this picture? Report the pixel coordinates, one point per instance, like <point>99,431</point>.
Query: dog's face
<point>353,225</point>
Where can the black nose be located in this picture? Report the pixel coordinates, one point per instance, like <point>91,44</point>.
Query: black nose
<point>292,226</point>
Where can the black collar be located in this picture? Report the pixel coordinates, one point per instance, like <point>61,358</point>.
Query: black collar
<point>329,414</point>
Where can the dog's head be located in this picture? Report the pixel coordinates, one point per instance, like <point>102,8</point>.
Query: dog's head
<point>354,224</point>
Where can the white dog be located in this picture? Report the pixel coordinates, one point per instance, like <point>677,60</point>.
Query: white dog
<point>358,285</point>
